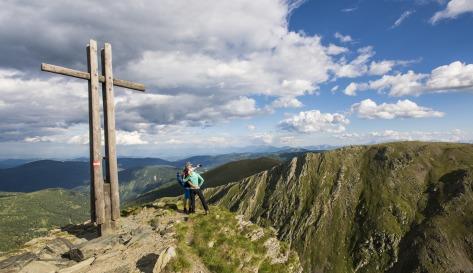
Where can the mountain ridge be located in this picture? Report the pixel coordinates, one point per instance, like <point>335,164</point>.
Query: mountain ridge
<point>396,207</point>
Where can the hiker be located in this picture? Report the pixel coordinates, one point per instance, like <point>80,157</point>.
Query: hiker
<point>187,191</point>
<point>195,182</point>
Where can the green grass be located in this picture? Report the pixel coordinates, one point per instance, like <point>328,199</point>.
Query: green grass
<point>232,250</point>
<point>24,216</point>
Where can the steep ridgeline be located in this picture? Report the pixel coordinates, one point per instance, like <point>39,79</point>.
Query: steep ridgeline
<point>396,208</point>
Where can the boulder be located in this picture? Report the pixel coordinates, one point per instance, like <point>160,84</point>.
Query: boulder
<point>164,258</point>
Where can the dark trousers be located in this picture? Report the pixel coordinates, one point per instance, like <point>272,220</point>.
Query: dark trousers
<point>201,197</point>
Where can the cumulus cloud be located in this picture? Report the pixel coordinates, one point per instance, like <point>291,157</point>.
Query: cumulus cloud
<point>453,10</point>
<point>286,102</point>
<point>336,50</point>
<point>446,78</point>
<point>39,107</point>
<point>343,38</point>
<point>368,109</point>
<point>357,67</point>
<point>403,17</point>
<point>315,122</point>
<point>206,59</point>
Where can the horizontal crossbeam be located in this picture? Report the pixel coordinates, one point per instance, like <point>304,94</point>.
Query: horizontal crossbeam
<point>86,76</point>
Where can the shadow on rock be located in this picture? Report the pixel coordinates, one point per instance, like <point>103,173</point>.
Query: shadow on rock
<point>87,231</point>
<point>146,263</point>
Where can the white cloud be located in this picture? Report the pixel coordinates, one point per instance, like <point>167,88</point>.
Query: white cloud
<point>343,38</point>
<point>129,138</point>
<point>314,122</point>
<point>357,67</point>
<point>446,78</point>
<point>336,50</point>
<point>286,102</point>
<point>456,74</point>
<point>251,127</point>
<point>334,89</point>
<point>242,107</point>
<point>39,107</point>
<point>368,109</point>
<point>349,9</point>
<point>403,17</point>
<point>263,138</point>
<point>381,67</point>
<point>400,84</point>
<point>206,58</point>
<point>351,89</point>
<point>453,10</point>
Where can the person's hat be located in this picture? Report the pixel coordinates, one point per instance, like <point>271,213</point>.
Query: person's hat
<point>188,165</point>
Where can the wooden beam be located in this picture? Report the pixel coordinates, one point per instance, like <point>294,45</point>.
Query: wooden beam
<point>109,124</point>
<point>105,228</point>
<point>94,131</point>
<point>86,76</point>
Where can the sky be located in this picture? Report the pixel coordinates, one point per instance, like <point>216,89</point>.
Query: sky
<point>225,76</point>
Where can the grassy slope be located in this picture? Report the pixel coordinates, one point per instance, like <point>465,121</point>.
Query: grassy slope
<point>398,207</point>
<point>134,182</point>
<point>232,250</point>
<point>24,216</point>
<point>222,175</point>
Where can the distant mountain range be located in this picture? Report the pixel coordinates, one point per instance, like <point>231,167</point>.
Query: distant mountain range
<point>222,175</point>
<point>43,174</point>
<point>10,163</point>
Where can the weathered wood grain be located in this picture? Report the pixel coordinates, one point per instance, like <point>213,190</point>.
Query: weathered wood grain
<point>95,133</point>
<point>86,76</point>
<point>110,134</point>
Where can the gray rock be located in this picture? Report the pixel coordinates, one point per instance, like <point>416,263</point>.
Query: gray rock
<point>93,247</point>
<point>164,258</point>
<point>79,267</point>
<point>38,267</point>
<point>15,263</point>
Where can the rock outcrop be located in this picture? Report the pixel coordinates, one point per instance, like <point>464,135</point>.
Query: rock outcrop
<point>154,238</point>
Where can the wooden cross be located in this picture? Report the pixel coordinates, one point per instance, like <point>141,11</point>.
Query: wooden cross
<point>105,198</point>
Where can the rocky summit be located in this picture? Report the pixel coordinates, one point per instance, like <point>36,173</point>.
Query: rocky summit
<point>396,208</point>
<point>158,238</point>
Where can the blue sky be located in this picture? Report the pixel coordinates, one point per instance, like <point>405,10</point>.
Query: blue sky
<point>222,75</point>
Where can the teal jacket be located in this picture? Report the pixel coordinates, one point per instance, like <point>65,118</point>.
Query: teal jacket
<point>195,179</point>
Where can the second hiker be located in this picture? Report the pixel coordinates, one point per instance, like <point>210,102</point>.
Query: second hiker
<point>195,181</point>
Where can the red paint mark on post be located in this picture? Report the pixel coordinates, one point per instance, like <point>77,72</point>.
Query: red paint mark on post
<point>96,163</point>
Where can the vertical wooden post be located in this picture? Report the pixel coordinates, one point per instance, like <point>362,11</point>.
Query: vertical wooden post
<point>110,141</point>
<point>95,135</point>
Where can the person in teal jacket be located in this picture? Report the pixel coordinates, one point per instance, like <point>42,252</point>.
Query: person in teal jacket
<point>195,181</point>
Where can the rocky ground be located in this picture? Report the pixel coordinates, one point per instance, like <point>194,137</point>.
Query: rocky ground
<point>157,238</point>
